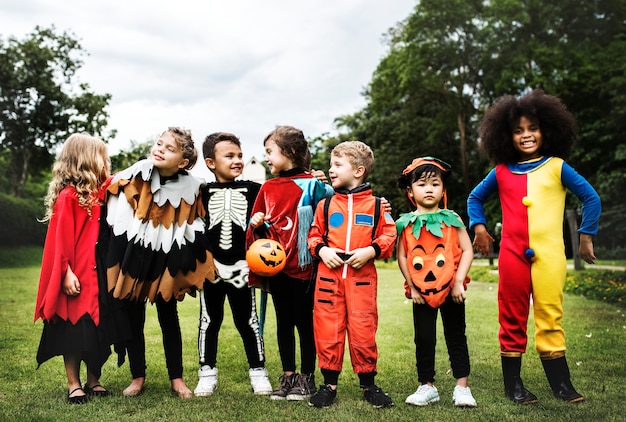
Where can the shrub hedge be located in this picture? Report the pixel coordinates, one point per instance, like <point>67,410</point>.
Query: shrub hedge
<point>19,221</point>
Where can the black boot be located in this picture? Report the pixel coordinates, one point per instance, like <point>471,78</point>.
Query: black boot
<point>558,375</point>
<point>513,386</point>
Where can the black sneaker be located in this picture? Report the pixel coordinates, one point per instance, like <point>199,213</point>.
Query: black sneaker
<point>377,397</point>
<point>285,385</point>
<point>324,397</point>
<point>302,387</point>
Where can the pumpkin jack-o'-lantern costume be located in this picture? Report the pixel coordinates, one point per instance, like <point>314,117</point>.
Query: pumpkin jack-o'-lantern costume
<point>434,255</point>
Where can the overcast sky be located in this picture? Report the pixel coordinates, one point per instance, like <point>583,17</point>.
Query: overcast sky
<point>240,66</point>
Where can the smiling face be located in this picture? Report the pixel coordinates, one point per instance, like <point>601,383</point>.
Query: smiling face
<point>228,162</point>
<point>342,174</point>
<point>527,139</point>
<point>167,156</point>
<point>275,158</point>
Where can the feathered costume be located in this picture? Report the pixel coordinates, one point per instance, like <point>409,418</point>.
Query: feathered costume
<point>158,243</point>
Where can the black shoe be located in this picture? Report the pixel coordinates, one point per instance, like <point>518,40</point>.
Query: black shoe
<point>513,385</point>
<point>96,393</point>
<point>377,397</point>
<point>77,399</point>
<point>324,397</point>
<point>286,382</point>
<point>302,387</point>
<point>557,372</point>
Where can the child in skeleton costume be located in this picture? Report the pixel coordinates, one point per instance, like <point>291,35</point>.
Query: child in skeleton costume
<point>529,138</point>
<point>435,254</point>
<point>350,230</point>
<point>229,203</point>
<point>283,211</point>
<point>158,249</point>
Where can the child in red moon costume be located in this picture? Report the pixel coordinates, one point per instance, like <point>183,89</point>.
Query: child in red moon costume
<point>350,230</point>
<point>283,211</point>
<point>529,138</point>
<point>435,254</point>
<point>68,296</point>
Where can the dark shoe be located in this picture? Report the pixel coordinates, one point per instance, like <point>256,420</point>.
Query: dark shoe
<point>513,385</point>
<point>96,393</point>
<point>302,388</point>
<point>77,399</point>
<point>324,397</point>
<point>377,397</point>
<point>557,372</point>
<point>284,387</point>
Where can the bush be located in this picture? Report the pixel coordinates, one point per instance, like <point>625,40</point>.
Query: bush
<point>19,221</point>
<point>605,285</point>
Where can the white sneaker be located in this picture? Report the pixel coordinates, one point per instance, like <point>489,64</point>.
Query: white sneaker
<point>207,381</point>
<point>260,382</point>
<point>424,395</point>
<point>462,397</point>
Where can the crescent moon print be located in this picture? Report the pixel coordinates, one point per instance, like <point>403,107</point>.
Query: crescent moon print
<point>289,224</point>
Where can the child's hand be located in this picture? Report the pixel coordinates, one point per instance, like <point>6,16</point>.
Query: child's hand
<point>482,239</point>
<point>319,175</point>
<point>458,293</point>
<point>257,219</point>
<point>71,285</point>
<point>586,248</point>
<point>386,205</point>
<point>416,297</point>
<point>330,258</point>
<point>361,256</point>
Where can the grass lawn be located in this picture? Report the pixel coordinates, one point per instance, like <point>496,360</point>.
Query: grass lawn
<point>596,336</point>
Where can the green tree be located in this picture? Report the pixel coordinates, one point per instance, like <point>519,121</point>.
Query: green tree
<point>40,102</point>
<point>450,59</point>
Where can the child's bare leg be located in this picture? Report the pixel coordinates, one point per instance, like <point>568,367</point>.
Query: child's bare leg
<point>72,369</point>
<point>180,388</point>
<point>135,388</point>
<point>462,382</point>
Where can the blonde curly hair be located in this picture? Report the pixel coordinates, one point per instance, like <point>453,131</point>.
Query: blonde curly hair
<point>83,163</point>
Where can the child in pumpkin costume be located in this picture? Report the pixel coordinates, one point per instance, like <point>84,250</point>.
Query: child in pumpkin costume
<point>435,255</point>
<point>349,231</point>
<point>529,138</point>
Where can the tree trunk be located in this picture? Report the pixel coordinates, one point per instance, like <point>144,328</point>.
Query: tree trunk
<point>463,138</point>
<point>22,183</point>
<point>572,221</point>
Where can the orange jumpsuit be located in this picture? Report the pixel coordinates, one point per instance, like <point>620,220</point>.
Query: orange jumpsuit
<point>345,298</point>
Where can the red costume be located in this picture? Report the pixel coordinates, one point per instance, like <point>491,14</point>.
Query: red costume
<point>345,298</point>
<point>70,241</point>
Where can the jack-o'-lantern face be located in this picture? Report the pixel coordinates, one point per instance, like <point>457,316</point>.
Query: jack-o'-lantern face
<point>266,257</point>
<point>431,264</point>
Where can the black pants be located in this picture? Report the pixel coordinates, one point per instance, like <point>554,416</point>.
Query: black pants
<point>425,325</point>
<point>293,303</point>
<point>172,340</point>
<point>242,303</point>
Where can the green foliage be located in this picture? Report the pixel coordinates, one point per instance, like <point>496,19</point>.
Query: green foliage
<point>604,285</point>
<point>450,59</point>
<point>20,225</point>
<point>41,103</point>
<point>126,158</point>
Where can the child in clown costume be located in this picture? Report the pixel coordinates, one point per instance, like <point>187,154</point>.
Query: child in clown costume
<point>528,139</point>
<point>435,255</point>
